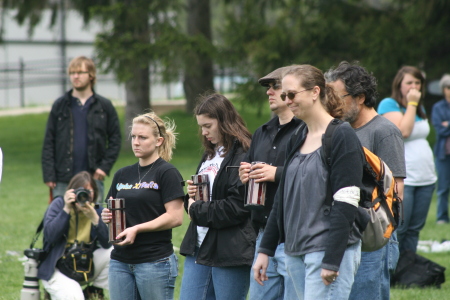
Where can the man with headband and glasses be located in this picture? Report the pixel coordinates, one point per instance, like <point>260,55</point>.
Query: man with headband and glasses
<point>357,88</point>
<point>268,145</point>
<point>82,134</point>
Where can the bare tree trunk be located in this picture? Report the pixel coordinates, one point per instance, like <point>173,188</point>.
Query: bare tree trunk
<point>137,92</point>
<point>198,74</point>
<point>137,88</point>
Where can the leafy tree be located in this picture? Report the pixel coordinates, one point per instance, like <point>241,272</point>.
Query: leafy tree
<point>261,35</point>
<point>198,52</point>
<point>139,36</point>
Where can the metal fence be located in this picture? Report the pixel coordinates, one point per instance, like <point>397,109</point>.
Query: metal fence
<point>38,73</point>
<point>32,73</point>
<point>53,72</point>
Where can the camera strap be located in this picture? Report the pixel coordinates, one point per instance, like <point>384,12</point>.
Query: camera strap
<point>76,231</point>
<point>76,226</point>
<point>36,235</point>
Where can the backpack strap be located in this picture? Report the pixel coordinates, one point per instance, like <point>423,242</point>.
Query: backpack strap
<point>325,154</point>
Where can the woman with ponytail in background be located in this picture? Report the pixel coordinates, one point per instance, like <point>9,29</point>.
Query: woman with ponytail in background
<point>322,245</point>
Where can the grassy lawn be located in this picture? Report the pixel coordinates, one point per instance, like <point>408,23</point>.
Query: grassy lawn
<point>24,197</point>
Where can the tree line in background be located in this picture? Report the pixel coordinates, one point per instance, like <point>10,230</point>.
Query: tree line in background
<point>192,39</point>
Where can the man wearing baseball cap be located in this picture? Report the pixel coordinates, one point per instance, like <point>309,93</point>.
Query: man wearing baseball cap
<point>268,146</point>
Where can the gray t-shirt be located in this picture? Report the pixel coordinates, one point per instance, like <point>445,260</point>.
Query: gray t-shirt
<point>306,224</point>
<point>385,140</point>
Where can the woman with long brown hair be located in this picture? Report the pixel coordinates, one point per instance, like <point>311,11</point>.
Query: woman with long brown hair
<point>219,243</point>
<point>405,109</point>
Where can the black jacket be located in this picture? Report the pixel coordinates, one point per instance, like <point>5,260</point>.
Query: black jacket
<point>103,139</point>
<point>230,240</point>
<point>269,145</point>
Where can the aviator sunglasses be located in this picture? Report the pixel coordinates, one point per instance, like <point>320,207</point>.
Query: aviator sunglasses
<point>291,95</point>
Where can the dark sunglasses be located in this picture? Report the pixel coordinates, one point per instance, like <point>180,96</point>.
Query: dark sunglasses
<point>291,95</point>
<point>274,86</point>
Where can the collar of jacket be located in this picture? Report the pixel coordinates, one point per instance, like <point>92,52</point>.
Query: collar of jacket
<point>68,96</point>
<point>275,122</point>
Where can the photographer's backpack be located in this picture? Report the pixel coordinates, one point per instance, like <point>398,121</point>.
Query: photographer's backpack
<point>414,270</point>
<point>378,194</point>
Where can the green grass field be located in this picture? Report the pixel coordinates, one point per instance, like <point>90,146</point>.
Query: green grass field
<point>24,197</point>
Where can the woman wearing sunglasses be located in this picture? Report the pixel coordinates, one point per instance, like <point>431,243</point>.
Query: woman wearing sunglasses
<point>322,246</point>
<point>219,244</point>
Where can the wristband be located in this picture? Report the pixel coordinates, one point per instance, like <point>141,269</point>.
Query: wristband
<point>413,103</point>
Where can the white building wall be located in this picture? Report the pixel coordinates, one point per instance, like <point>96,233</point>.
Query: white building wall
<point>44,46</point>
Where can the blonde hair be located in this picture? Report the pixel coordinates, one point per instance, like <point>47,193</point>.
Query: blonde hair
<point>160,128</point>
<point>77,63</point>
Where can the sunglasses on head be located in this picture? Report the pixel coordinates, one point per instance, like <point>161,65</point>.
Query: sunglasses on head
<point>291,95</point>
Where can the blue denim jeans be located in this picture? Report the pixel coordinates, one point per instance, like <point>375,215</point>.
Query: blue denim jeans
<point>146,281</point>
<point>305,273</point>
<point>279,286</point>
<point>373,278</point>
<point>202,282</point>
<point>416,203</point>
<point>443,188</point>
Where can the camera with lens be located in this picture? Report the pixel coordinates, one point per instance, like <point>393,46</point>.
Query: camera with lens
<point>36,254</point>
<point>82,196</point>
<point>30,287</point>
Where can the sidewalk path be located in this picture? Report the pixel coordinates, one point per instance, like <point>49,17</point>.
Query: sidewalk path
<point>24,111</point>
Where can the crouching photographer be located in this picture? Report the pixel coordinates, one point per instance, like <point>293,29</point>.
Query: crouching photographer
<point>75,233</point>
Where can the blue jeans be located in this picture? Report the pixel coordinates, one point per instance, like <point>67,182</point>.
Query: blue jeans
<point>305,273</point>
<point>443,188</point>
<point>279,286</point>
<point>202,282</point>
<point>416,203</point>
<point>374,274</point>
<point>146,281</point>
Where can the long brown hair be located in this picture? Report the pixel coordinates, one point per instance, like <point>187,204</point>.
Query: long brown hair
<point>231,125</point>
<point>309,77</point>
<point>396,87</point>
